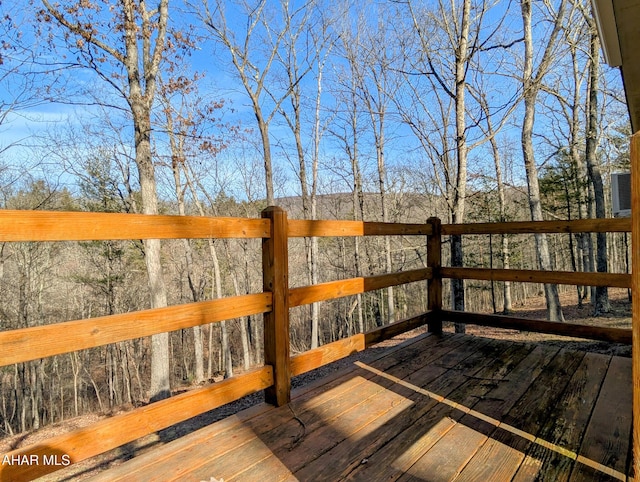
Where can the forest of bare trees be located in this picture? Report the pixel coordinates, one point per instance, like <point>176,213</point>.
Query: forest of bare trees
<point>390,111</point>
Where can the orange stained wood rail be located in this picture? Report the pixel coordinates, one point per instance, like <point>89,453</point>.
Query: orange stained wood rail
<point>274,302</point>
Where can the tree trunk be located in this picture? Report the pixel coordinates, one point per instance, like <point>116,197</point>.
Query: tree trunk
<point>554,309</point>
<point>531,87</point>
<point>216,292</point>
<point>507,306</point>
<point>244,334</point>
<point>160,383</point>
<point>263,127</point>
<point>457,255</point>
<point>178,158</point>
<point>227,364</point>
<point>315,307</point>
<point>601,302</point>
<point>358,210</point>
<point>382,174</point>
<point>585,242</point>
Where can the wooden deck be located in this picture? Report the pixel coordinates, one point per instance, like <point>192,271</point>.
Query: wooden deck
<point>455,407</point>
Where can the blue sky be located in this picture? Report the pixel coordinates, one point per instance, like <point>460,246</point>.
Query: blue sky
<point>221,82</point>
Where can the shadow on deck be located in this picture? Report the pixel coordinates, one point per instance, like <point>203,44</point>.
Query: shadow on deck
<point>455,407</point>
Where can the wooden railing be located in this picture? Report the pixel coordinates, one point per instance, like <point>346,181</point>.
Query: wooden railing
<point>274,302</point>
<point>619,225</point>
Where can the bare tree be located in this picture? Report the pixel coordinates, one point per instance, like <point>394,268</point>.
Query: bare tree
<point>300,58</point>
<point>601,302</point>
<point>502,202</point>
<point>447,40</point>
<point>21,91</point>
<point>196,188</point>
<point>371,54</point>
<point>572,107</point>
<point>264,30</point>
<point>137,49</point>
<point>531,83</point>
<point>457,31</point>
<point>347,132</point>
<point>179,120</point>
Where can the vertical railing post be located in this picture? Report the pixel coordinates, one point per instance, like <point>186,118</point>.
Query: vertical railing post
<point>635,286</point>
<point>434,284</point>
<point>275,279</point>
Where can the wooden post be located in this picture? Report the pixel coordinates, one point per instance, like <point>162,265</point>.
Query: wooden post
<point>635,286</point>
<point>275,279</point>
<point>434,285</point>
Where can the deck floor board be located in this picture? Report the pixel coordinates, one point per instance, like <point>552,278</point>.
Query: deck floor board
<point>608,434</point>
<point>451,408</point>
<point>568,419</point>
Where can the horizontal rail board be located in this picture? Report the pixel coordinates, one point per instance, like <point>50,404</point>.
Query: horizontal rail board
<point>83,226</point>
<point>614,280</point>
<point>615,335</point>
<point>353,286</point>
<point>43,341</point>
<point>116,431</point>
<point>307,228</point>
<point>312,359</point>
<point>613,225</point>
<point>389,331</point>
